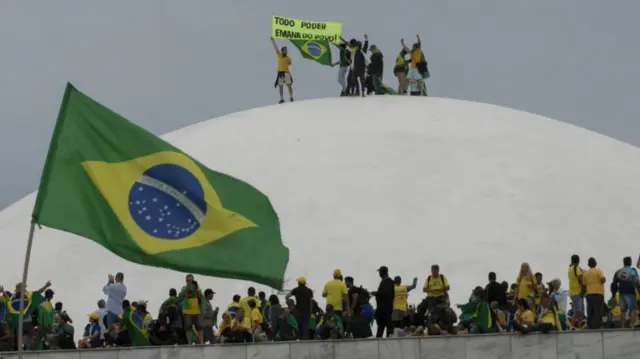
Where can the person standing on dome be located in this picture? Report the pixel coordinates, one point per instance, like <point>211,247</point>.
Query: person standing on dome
<point>417,67</point>
<point>376,69</point>
<point>625,282</point>
<point>594,280</point>
<point>116,292</point>
<point>344,62</point>
<point>384,303</point>
<point>336,293</point>
<point>359,65</point>
<point>284,75</point>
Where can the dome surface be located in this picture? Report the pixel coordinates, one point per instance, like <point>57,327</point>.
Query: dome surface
<point>397,181</point>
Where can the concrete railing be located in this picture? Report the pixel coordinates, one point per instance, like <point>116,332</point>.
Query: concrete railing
<point>586,344</point>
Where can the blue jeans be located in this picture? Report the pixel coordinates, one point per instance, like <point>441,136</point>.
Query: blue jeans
<point>628,303</point>
<point>377,84</point>
<point>110,319</point>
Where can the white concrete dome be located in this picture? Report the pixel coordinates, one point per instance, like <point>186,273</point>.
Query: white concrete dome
<point>396,181</point>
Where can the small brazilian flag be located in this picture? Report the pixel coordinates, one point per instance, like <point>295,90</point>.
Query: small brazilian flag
<point>113,182</point>
<point>319,50</point>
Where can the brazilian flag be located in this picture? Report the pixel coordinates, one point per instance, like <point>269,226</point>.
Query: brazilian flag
<point>318,50</point>
<point>112,182</point>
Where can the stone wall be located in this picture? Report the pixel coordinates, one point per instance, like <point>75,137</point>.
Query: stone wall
<point>573,345</point>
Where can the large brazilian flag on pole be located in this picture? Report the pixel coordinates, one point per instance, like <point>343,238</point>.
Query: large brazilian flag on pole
<point>113,182</point>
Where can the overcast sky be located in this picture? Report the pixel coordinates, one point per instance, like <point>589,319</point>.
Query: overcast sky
<point>166,64</point>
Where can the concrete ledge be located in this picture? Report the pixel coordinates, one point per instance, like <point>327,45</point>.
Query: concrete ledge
<point>614,344</point>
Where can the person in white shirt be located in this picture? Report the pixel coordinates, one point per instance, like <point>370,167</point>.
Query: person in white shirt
<point>102,314</point>
<point>116,292</point>
<point>558,294</point>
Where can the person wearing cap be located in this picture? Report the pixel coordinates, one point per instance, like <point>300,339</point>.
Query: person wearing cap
<point>376,67</point>
<point>304,303</point>
<point>384,303</point>
<point>336,293</point>
<point>116,292</point>
<point>91,337</point>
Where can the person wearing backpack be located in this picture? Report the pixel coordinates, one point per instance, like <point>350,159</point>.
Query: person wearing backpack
<point>436,286</point>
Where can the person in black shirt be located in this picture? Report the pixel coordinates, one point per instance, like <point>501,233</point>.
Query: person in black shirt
<point>384,300</point>
<point>304,298</point>
<point>495,292</point>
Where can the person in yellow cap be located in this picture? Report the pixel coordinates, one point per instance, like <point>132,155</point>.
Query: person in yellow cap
<point>304,304</point>
<point>91,337</point>
<point>336,293</point>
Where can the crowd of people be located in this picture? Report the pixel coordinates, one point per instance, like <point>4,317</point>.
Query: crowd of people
<point>359,75</point>
<point>187,316</point>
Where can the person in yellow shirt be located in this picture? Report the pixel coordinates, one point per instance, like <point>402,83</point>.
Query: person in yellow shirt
<point>436,286</point>
<point>240,330</point>
<point>336,293</point>
<point>251,295</point>
<point>593,279</point>
<point>576,291</point>
<point>225,328</point>
<point>523,319</point>
<point>527,286</point>
<point>256,322</point>
<point>284,75</point>
<point>414,78</point>
<point>549,318</point>
<point>400,301</point>
<point>233,306</point>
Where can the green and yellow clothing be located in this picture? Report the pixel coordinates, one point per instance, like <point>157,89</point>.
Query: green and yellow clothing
<point>575,287</point>
<point>283,62</point>
<point>550,316</point>
<point>244,304</point>
<point>524,287</point>
<point>134,322</point>
<point>245,323</point>
<point>400,298</point>
<point>45,314</point>
<point>436,285</point>
<point>193,302</point>
<point>335,290</point>
<point>527,317</point>
<point>482,317</point>
<point>401,64</point>
<point>223,326</point>
<point>592,279</point>
<point>32,302</point>
<point>416,57</point>
<point>233,308</point>
<point>256,317</point>
<point>614,306</point>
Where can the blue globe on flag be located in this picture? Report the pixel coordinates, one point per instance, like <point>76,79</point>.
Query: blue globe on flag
<point>167,202</point>
<point>314,49</point>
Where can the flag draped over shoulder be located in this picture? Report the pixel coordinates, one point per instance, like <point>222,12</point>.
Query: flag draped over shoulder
<point>318,50</point>
<point>110,181</point>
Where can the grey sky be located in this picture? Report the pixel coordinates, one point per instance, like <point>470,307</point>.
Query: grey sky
<point>166,64</point>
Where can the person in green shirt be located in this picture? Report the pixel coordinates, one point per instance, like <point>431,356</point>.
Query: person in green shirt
<point>32,302</point>
<point>45,318</point>
<point>133,320</point>
<point>62,337</point>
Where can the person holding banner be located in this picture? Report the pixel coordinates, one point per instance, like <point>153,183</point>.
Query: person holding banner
<point>284,75</point>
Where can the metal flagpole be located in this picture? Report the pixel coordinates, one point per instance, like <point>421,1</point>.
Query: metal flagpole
<point>23,290</point>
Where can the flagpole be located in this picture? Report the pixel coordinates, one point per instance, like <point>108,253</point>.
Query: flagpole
<point>27,257</point>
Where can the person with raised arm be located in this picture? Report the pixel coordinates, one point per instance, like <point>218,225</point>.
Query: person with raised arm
<point>284,75</point>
